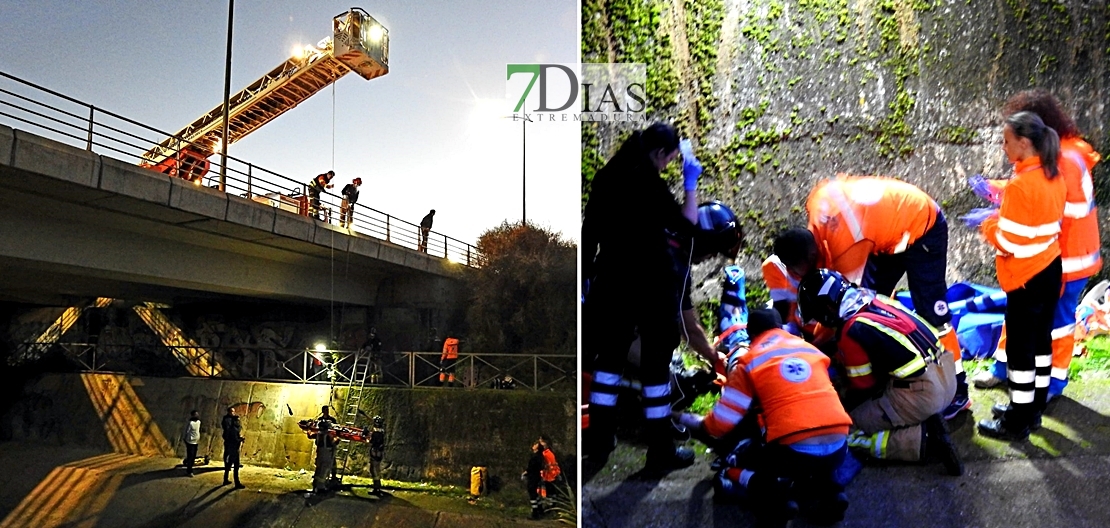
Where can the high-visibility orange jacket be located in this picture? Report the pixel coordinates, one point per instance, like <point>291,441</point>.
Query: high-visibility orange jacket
<point>853,217</point>
<point>782,286</point>
<point>1026,231</point>
<point>551,468</point>
<point>450,349</point>
<point>789,380</point>
<point>1079,242</point>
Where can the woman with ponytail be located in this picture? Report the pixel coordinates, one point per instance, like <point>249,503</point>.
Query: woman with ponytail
<point>1025,236</point>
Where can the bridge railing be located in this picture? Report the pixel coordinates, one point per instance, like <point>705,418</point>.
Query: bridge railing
<point>398,369</point>
<point>74,122</point>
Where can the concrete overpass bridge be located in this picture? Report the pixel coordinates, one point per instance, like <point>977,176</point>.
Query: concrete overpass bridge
<point>74,223</point>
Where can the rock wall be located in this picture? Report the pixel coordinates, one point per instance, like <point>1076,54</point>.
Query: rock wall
<point>432,434</point>
<point>779,94</point>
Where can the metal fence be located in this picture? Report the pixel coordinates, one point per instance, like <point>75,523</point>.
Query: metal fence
<point>68,120</point>
<point>397,369</point>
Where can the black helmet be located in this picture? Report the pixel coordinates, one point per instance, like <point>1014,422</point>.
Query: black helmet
<point>820,294</point>
<point>721,230</point>
<point>378,421</point>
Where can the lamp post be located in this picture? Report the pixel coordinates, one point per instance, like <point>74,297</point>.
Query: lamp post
<point>523,172</point>
<point>227,96</point>
<point>524,120</point>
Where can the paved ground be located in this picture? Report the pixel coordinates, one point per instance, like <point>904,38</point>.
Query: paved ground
<point>43,486</point>
<point>1058,478</point>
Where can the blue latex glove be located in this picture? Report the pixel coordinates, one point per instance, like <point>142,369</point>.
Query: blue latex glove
<point>982,189</point>
<point>691,169</point>
<point>976,216</point>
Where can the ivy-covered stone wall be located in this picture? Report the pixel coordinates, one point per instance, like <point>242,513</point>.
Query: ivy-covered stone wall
<point>778,94</point>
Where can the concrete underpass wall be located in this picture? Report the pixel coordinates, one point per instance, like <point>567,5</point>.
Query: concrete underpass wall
<point>432,434</point>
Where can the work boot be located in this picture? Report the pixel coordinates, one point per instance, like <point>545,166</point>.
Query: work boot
<point>663,458</point>
<point>1001,430</point>
<point>727,488</point>
<point>1000,409</point>
<point>771,500</point>
<point>940,445</point>
<point>829,510</point>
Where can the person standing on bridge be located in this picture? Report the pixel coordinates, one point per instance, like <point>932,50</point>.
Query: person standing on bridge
<point>425,227</point>
<point>347,208</point>
<point>315,187</point>
<point>233,441</point>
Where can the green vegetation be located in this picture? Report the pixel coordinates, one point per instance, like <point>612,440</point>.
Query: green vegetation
<point>703,31</point>
<point>1095,364</point>
<point>522,300</point>
<point>704,403</point>
<point>637,36</point>
<point>958,135</point>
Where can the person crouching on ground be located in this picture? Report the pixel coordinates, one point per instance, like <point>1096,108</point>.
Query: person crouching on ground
<point>899,375</point>
<point>806,428</point>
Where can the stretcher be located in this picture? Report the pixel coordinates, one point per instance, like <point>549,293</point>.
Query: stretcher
<point>342,432</point>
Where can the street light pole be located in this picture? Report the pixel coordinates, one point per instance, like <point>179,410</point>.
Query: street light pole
<point>227,96</point>
<point>523,173</point>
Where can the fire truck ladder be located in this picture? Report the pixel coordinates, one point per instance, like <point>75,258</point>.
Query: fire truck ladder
<point>355,388</point>
<point>363,47</point>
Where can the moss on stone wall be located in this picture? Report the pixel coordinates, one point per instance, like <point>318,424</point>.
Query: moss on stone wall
<point>433,434</point>
<point>797,90</point>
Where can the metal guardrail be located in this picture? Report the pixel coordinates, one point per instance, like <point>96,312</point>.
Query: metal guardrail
<point>397,369</point>
<point>68,120</point>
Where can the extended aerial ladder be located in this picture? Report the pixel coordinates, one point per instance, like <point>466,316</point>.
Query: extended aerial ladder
<point>358,43</point>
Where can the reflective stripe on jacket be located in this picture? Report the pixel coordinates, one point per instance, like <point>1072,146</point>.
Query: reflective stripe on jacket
<point>1079,241</point>
<point>853,217</point>
<point>1026,231</point>
<point>789,380</point>
<point>782,286</point>
<point>885,338</point>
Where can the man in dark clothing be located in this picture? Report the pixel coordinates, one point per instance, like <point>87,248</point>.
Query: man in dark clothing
<point>325,416</point>
<point>372,348</point>
<point>635,282</point>
<point>533,479</point>
<point>325,455</point>
<point>377,452</point>
<point>191,437</point>
<point>347,208</point>
<point>425,226</point>
<point>315,187</point>
<point>233,440</point>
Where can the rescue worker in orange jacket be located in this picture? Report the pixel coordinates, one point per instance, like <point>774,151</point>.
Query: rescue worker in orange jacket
<point>785,381</point>
<point>899,375</point>
<point>447,360</point>
<point>1025,234</point>
<point>550,471</point>
<point>795,254</point>
<point>1079,238</point>
<point>874,230</point>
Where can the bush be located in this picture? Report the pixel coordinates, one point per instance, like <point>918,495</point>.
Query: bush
<point>523,299</point>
